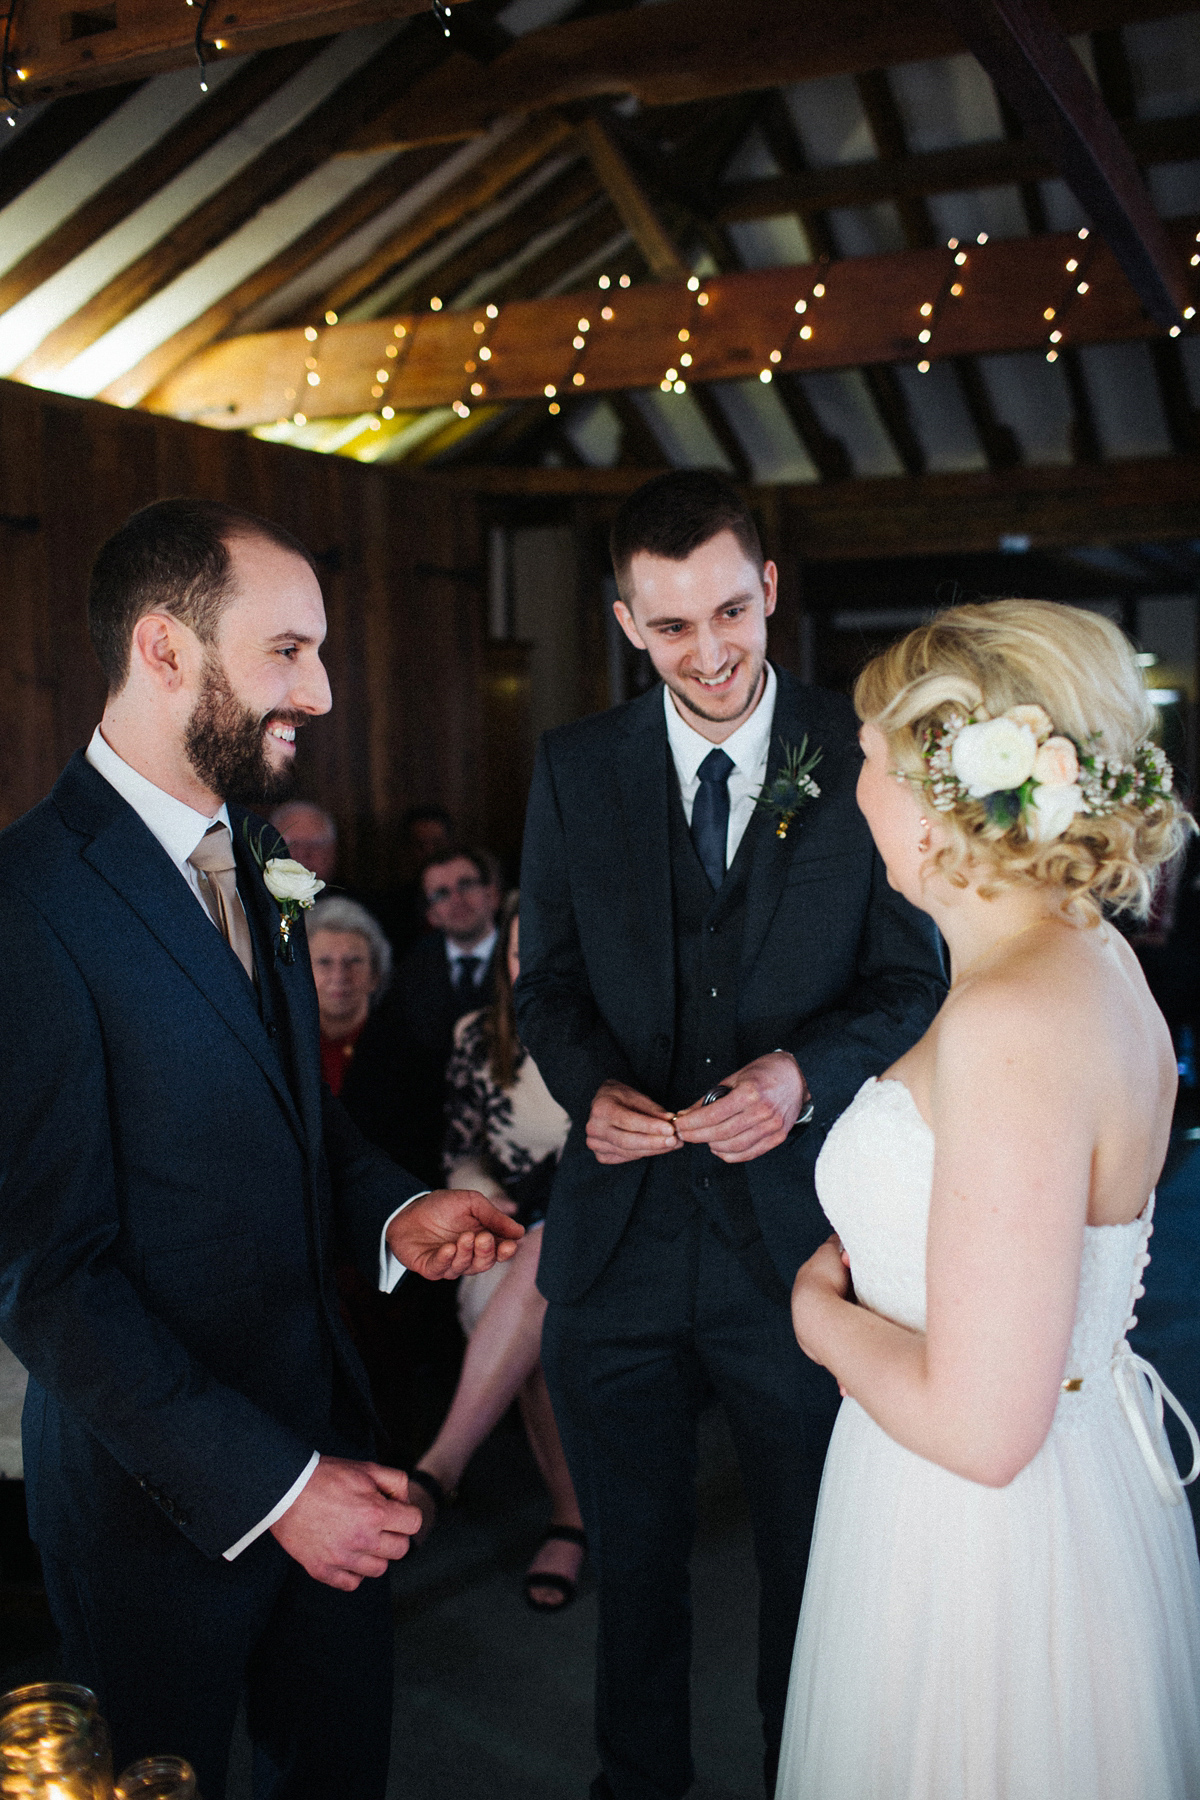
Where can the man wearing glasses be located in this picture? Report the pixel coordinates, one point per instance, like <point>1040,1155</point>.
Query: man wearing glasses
<point>394,1087</point>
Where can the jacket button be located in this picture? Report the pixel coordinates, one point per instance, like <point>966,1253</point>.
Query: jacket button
<point>712,993</point>
<point>272,1029</point>
<point>705,1181</point>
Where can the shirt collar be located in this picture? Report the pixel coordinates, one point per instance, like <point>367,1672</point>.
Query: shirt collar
<point>747,747</point>
<point>482,951</point>
<point>177,827</point>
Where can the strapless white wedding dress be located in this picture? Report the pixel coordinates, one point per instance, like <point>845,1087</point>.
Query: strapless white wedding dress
<point>958,1642</point>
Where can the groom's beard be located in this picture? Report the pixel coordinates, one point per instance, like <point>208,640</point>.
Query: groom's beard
<point>226,743</point>
<point>687,697</point>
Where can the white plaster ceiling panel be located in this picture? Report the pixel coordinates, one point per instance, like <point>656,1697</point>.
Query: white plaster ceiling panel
<point>867,230</point>
<point>608,257</point>
<point>843,404</point>
<point>830,120</point>
<point>770,243</point>
<point>595,432</point>
<point>998,211</point>
<point>756,413</point>
<point>1030,395</point>
<point>1063,211</point>
<point>102,155</point>
<point>32,319</point>
<point>1124,393</point>
<point>681,430</point>
<point>946,102</point>
<point>190,294</point>
<point>355,248</point>
<point>1164,60</point>
<point>484,285</point>
<point>940,419</point>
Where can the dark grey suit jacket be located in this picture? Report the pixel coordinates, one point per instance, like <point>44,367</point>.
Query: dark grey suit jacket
<point>836,967</point>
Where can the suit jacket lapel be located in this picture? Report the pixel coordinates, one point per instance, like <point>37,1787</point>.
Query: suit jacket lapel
<point>291,985</point>
<point>645,773</point>
<point>771,857</point>
<point>132,861</point>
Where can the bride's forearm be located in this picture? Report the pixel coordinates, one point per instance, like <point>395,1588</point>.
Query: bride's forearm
<point>885,1367</point>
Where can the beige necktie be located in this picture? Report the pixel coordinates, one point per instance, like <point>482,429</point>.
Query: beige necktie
<point>213,859</point>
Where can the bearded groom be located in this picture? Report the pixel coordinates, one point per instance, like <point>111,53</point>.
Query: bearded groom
<point>174,1182</point>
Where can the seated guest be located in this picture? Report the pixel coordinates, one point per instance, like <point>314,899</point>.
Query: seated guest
<point>352,965</point>
<point>310,835</point>
<point>505,1134</point>
<point>394,1088</point>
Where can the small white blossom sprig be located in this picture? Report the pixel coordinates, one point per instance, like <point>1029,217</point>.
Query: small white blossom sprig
<point>292,887</point>
<point>792,788</point>
<point>1025,773</point>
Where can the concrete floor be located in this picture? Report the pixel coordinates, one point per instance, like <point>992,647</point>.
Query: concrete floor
<point>494,1701</point>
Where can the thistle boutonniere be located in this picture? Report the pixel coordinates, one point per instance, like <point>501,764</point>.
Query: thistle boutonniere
<point>792,788</point>
<point>290,885</point>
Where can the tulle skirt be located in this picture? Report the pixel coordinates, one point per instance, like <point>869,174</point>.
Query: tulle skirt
<point>1034,1642</point>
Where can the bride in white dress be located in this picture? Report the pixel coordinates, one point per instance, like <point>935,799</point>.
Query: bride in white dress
<point>1003,1599</point>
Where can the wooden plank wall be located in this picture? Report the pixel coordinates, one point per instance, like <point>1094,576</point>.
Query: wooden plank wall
<point>401,569</point>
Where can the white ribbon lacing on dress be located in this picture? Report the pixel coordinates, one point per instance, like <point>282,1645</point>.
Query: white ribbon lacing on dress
<point>1127,1368</point>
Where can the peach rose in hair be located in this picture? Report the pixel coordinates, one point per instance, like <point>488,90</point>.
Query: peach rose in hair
<point>1056,763</point>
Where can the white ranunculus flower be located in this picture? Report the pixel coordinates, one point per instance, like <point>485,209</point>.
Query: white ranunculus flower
<point>993,757</point>
<point>1051,811</point>
<point>287,879</point>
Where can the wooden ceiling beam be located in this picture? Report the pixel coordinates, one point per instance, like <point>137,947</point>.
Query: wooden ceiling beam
<point>304,148</point>
<point>151,172</point>
<point>66,51</point>
<point>630,202</point>
<point>1003,163</point>
<point>1124,502</point>
<point>868,313</point>
<point>1025,50</point>
<point>44,141</point>
<point>686,50</point>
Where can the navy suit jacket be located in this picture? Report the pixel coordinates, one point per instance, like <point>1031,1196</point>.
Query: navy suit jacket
<point>173,1177</point>
<point>836,967</point>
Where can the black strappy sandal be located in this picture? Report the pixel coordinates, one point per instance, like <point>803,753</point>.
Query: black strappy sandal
<point>548,1578</point>
<point>437,1493</point>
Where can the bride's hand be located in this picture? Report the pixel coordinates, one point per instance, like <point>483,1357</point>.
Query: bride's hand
<point>825,1277</point>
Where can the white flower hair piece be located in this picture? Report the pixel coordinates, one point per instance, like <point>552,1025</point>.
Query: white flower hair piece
<point>1025,773</point>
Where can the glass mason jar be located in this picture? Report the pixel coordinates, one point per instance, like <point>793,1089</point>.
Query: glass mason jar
<point>158,1778</point>
<point>53,1744</point>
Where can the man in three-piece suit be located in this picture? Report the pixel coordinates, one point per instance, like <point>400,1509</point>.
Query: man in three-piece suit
<point>678,943</point>
<point>175,1186</point>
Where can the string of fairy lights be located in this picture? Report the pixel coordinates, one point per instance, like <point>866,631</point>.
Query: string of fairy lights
<point>810,316</point>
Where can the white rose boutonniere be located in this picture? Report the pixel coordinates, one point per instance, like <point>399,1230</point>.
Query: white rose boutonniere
<point>290,885</point>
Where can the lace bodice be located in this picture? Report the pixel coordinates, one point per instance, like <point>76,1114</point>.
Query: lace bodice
<point>874,1179</point>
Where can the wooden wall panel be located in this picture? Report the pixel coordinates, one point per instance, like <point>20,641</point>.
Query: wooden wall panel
<point>400,565</point>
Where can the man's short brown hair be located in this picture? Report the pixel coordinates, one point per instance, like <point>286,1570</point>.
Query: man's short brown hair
<point>171,556</point>
<point>486,866</point>
<point>674,514</point>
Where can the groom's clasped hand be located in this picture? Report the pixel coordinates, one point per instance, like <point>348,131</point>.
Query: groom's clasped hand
<point>762,1104</point>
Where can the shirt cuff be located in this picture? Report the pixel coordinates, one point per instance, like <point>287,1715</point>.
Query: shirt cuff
<point>391,1269</point>
<point>294,1492</point>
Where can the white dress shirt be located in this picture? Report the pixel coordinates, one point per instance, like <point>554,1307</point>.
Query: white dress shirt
<point>179,828</point>
<point>748,748</point>
<point>482,953</point>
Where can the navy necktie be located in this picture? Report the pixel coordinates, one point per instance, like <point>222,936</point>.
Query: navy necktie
<point>464,979</point>
<point>710,814</point>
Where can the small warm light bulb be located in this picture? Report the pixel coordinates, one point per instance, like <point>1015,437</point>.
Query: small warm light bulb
<point>923,337</point>
<point>376,392</point>
<point>1049,313</point>
<point>485,354</point>
<point>665,385</point>
<point>681,387</point>
<point>462,409</point>
<point>819,290</point>
<point>685,361</point>
<point>477,388</point>
<point>584,325</point>
<point>375,425</point>
<point>204,87</point>
<point>1195,261</point>
<point>435,304</point>
<point>218,43</point>
<point>672,374</point>
<point>23,74</point>
<point>961,258</point>
<point>331,318</point>
<point>313,379</point>
<point>1189,312</point>
<point>764,375</point>
<point>578,378</point>
<point>554,407</point>
<point>693,283</point>
<point>604,282</point>
<point>1175,331</point>
<point>1056,337</point>
<point>578,342</point>
<point>1072,265</point>
<point>701,299</point>
<point>391,350</point>
<point>1081,287</point>
<point>684,335</point>
<point>479,328</point>
<point>952,243</point>
<point>383,374</point>
<point>957,289</point>
<point>549,390</point>
<point>806,331</point>
<point>624,281</point>
<point>922,368</point>
<point>310,332</point>
<point>776,356</point>
<point>1083,231</point>
<point>982,238</point>
<point>493,312</point>
<point>389,412</point>
<point>926,309</point>
<point>298,418</point>
<point>802,306</point>
<point>399,331</point>
<point>606,312</point>
<point>1052,356</point>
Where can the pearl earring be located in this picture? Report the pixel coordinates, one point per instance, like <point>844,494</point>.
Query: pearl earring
<point>923,841</point>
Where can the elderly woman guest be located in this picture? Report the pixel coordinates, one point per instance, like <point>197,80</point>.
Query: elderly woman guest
<point>505,1134</point>
<point>352,965</point>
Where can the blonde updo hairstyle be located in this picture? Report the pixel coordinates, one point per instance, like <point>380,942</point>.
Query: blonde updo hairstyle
<point>983,659</point>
